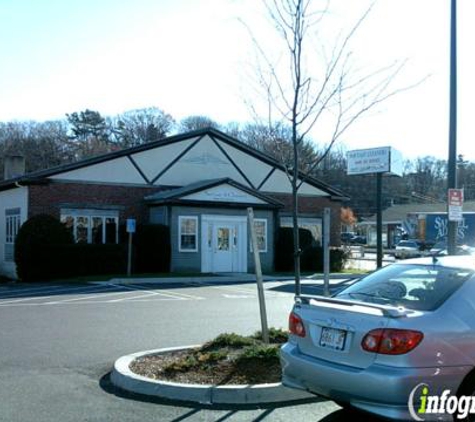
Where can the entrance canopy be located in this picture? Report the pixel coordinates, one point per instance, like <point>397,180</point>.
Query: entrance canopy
<point>216,192</point>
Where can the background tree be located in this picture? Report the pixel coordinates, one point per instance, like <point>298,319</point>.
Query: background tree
<point>137,127</point>
<point>90,133</point>
<point>275,140</point>
<point>426,179</point>
<point>42,144</point>
<point>307,92</point>
<point>196,122</point>
<point>347,216</point>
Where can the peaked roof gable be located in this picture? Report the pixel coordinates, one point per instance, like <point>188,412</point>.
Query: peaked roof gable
<point>223,190</point>
<point>163,163</point>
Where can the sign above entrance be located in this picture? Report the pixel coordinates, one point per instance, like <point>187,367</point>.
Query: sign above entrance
<point>224,193</point>
<point>375,160</point>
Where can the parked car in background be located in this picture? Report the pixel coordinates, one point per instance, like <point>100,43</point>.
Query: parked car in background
<point>351,238</point>
<point>411,248</point>
<point>346,237</point>
<point>438,247</point>
<point>459,250</point>
<point>358,240</point>
<point>407,325</point>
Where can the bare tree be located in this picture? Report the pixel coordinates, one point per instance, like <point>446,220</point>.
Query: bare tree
<point>137,127</point>
<point>334,95</point>
<point>196,122</point>
<point>42,144</point>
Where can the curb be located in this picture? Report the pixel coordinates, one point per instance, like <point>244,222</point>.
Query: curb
<point>221,279</point>
<point>123,378</point>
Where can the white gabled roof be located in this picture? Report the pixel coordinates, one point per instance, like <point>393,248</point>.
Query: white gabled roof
<point>180,161</point>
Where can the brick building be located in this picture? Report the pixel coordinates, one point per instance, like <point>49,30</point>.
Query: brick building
<point>199,184</point>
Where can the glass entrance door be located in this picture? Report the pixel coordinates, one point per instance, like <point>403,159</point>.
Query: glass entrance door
<point>224,247</point>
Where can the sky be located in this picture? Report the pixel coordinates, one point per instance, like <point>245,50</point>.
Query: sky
<point>195,57</point>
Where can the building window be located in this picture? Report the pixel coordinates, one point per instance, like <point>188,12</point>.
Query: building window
<point>260,227</point>
<point>12,226</point>
<point>92,226</point>
<point>188,234</point>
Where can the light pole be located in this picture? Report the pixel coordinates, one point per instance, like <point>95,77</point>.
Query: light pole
<point>452,163</point>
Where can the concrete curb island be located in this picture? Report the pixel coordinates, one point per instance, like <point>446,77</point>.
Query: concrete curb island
<point>123,378</point>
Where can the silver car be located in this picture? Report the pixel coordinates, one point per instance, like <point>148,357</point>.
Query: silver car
<point>408,249</point>
<point>380,344</point>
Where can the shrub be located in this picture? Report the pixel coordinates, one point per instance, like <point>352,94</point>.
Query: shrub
<point>82,259</point>
<point>312,259</point>
<point>152,248</point>
<point>36,236</point>
<point>260,352</point>
<point>227,340</point>
<point>276,335</point>
<point>284,250</point>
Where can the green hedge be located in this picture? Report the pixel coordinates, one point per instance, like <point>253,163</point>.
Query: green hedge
<point>45,250</point>
<point>82,259</point>
<point>312,256</point>
<point>312,259</point>
<point>152,249</point>
<point>284,249</point>
<point>33,258</point>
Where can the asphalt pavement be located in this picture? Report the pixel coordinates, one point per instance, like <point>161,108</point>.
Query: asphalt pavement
<point>58,344</point>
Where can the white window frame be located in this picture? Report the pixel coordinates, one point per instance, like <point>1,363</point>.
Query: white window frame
<point>90,214</point>
<point>262,220</point>
<point>12,226</point>
<point>180,219</point>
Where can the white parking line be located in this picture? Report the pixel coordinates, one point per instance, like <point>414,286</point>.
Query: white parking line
<point>246,290</point>
<point>2,301</point>
<point>179,294</point>
<point>18,292</point>
<point>87,297</point>
<point>93,302</point>
<point>147,293</point>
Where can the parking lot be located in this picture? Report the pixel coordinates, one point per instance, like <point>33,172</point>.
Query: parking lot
<point>59,342</point>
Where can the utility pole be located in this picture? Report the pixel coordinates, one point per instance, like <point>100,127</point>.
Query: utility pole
<point>452,163</point>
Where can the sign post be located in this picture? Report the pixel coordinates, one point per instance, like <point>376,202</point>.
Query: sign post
<point>131,230</point>
<point>326,251</point>
<point>260,286</point>
<point>455,203</point>
<point>376,161</point>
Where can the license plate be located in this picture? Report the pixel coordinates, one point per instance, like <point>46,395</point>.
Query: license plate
<point>333,338</point>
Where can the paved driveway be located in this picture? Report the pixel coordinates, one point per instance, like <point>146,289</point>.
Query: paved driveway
<point>58,343</point>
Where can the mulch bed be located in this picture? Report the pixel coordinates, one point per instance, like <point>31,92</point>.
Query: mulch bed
<point>222,372</point>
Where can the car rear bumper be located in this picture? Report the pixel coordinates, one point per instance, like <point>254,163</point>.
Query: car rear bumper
<point>378,389</point>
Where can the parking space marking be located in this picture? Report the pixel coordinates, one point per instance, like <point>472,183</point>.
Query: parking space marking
<point>170,293</point>
<point>19,292</point>
<point>87,297</point>
<point>252,291</point>
<point>68,290</point>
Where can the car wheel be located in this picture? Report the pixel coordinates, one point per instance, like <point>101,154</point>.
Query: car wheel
<point>467,388</point>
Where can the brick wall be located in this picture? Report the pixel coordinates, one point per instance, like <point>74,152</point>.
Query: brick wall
<point>49,199</point>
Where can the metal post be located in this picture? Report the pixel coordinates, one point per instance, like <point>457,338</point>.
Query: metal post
<point>129,256</point>
<point>260,285</point>
<point>452,164</point>
<point>379,220</point>
<point>326,251</point>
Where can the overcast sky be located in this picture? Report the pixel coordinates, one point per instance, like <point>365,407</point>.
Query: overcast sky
<point>193,56</point>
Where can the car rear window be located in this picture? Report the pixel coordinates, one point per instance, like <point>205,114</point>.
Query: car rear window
<point>417,287</point>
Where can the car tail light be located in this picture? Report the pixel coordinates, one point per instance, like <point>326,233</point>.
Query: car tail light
<point>296,325</point>
<point>391,341</point>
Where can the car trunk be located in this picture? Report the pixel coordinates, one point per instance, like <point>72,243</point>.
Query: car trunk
<point>336,328</point>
